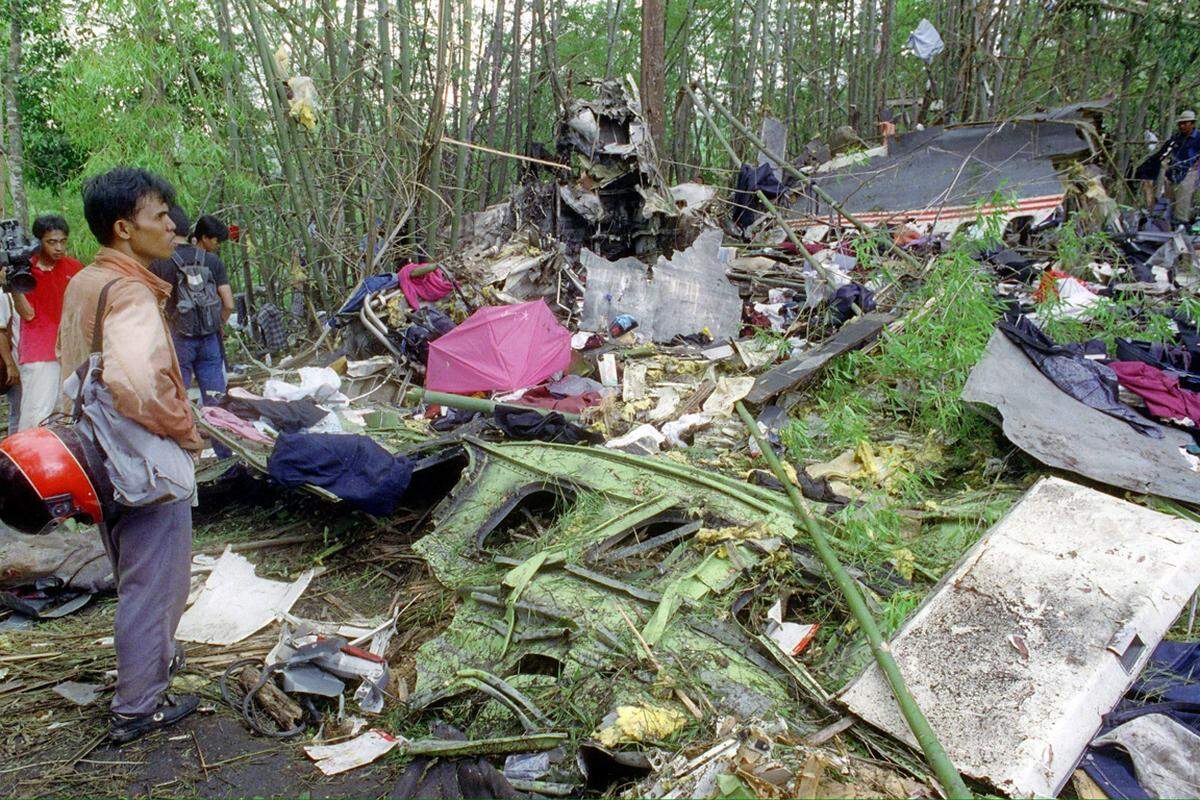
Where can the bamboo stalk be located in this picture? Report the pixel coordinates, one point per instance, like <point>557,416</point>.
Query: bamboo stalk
<point>947,773</point>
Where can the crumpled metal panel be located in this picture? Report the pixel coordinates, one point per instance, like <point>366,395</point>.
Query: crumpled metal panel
<point>616,492</point>
<point>1037,632</point>
<point>937,175</point>
<point>679,296</point>
<point>1062,432</point>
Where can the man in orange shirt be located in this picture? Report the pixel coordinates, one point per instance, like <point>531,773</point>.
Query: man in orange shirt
<point>150,546</point>
<point>40,311</point>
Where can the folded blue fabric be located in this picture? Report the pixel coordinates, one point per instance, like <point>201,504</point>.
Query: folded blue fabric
<point>355,468</point>
<point>1170,685</point>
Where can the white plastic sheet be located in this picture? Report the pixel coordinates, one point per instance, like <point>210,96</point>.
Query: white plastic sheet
<point>925,41</point>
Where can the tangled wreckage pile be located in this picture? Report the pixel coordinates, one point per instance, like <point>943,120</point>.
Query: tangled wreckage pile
<point>570,410</point>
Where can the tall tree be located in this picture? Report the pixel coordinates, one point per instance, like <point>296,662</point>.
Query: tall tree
<point>653,76</point>
<point>15,150</point>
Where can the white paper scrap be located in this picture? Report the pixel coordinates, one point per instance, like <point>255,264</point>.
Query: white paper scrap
<point>236,603</point>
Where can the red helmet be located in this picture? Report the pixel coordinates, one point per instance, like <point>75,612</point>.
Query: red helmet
<point>50,474</point>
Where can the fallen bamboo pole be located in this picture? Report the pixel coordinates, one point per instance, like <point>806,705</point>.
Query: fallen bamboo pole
<point>443,748</point>
<point>474,403</point>
<point>494,152</point>
<point>935,754</point>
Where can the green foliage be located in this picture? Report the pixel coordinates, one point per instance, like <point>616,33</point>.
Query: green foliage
<point>1129,316</point>
<point>913,380</point>
<point>51,156</point>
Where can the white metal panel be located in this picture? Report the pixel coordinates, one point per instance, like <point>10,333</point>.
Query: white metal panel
<point>1038,632</point>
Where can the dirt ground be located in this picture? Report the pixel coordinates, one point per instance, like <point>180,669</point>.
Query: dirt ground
<point>49,746</point>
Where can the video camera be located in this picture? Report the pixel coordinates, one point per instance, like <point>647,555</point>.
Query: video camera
<point>16,258</point>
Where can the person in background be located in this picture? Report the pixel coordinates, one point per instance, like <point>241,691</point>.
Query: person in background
<point>1182,167</point>
<point>150,546</point>
<point>40,311</point>
<point>200,303</point>
<point>10,385</point>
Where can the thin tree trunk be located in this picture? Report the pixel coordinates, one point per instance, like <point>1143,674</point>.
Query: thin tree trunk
<point>614,15</point>
<point>405,22</point>
<point>514,89</point>
<point>653,77</point>
<point>437,124</point>
<point>16,147</point>
<point>497,63</point>
<point>460,163</point>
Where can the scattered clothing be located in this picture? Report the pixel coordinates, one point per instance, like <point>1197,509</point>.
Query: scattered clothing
<point>520,424</point>
<point>850,301</point>
<point>1144,761</point>
<point>320,383</point>
<point>429,287</point>
<point>1164,397</point>
<point>272,326</point>
<point>227,421</point>
<point>572,385</point>
<point>354,468</point>
<point>287,416</point>
<point>425,325</point>
<point>1088,381</point>
<point>453,418</point>
<point>750,181</point>
<point>542,397</point>
<point>1173,359</point>
<point>925,41</point>
<point>373,284</point>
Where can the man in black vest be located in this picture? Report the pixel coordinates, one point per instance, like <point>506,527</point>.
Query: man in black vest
<point>201,301</point>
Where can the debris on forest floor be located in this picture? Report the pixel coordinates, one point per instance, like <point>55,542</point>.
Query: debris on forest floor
<point>537,458</point>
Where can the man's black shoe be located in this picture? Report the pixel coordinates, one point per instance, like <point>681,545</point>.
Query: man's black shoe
<point>171,709</point>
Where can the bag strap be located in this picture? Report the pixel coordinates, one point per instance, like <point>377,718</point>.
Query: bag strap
<point>98,325</point>
<point>97,346</point>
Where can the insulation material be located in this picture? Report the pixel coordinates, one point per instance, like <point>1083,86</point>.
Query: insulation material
<point>236,603</point>
<point>1015,667</point>
<point>682,295</point>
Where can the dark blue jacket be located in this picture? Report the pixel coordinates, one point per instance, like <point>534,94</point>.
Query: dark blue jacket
<point>1185,150</point>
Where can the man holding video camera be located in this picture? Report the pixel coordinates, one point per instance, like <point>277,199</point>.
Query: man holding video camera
<point>40,310</point>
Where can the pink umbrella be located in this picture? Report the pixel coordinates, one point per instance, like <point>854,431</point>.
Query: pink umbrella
<point>499,348</point>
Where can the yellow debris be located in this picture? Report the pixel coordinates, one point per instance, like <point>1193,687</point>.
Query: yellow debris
<point>640,724</point>
<point>753,532</point>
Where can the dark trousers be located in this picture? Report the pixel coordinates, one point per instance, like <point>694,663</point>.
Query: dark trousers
<point>151,553</point>
<point>201,356</point>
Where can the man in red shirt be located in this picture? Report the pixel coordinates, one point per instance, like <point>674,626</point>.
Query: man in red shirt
<point>40,311</point>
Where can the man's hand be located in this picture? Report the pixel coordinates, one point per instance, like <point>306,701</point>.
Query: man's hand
<point>14,374</point>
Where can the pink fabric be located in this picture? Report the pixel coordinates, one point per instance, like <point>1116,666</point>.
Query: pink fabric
<point>540,397</point>
<point>431,286</point>
<point>228,421</point>
<point>499,349</point>
<point>1164,397</point>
